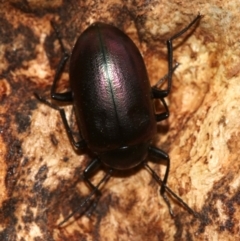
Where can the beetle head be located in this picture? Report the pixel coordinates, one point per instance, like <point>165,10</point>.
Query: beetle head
<point>125,157</point>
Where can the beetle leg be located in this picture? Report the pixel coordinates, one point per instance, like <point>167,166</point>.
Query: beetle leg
<point>88,172</point>
<point>171,68</point>
<point>161,94</point>
<point>88,198</point>
<point>77,144</point>
<point>160,154</point>
<point>168,190</point>
<point>170,52</point>
<point>67,96</point>
<point>160,82</point>
<point>164,115</point>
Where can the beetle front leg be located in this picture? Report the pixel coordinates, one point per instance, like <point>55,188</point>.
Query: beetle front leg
<point>160,154</point>
<point>92,166</point>
<point>168,190</point>
<point>88,172</point>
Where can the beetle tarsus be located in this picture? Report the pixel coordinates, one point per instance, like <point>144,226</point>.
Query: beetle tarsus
<point>168,190</point>
<point>168,204</point>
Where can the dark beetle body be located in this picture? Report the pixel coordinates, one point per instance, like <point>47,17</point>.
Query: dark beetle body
<point>112,95</point>
<point>114,104</point>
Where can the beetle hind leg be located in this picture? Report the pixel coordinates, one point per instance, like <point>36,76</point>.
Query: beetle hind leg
<point>165,77</point>
<point>170,52</point>
<point>161,94</point>
<point>67,96</point>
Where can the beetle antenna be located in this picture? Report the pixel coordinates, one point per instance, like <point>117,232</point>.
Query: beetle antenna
<point>104,179</point>
<point>159,180</point>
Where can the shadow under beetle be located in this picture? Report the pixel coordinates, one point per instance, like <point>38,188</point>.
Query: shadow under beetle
<point>114,106</point>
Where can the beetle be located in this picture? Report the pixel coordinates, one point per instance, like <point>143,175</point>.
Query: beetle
<point>114,104</point>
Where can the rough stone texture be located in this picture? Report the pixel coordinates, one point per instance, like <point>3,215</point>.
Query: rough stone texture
<point>41,179</point>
